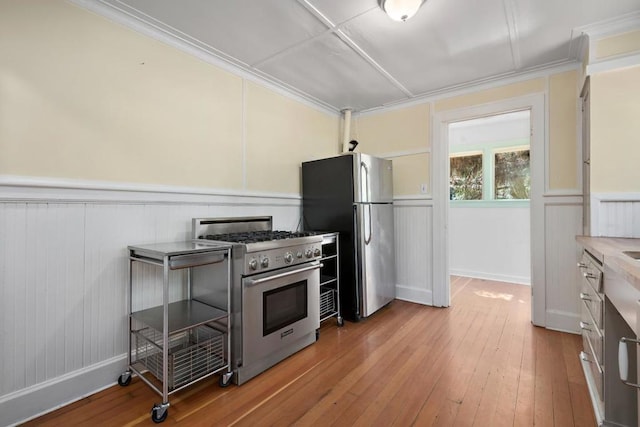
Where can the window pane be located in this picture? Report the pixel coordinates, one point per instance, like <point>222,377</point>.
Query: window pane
<point>465,179</point>
<point>512,175</point>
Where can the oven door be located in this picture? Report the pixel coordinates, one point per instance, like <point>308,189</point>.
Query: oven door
<point>279,307</point>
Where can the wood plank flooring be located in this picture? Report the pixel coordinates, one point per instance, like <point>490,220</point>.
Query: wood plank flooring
<point>479,362</point>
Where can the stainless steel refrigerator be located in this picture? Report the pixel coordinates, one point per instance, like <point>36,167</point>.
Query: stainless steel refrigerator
<point>353,194</point>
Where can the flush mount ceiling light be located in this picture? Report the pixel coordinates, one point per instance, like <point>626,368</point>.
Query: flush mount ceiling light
<point>401,10</point>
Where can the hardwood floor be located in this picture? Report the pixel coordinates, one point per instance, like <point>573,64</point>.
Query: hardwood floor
<point>479,362</point>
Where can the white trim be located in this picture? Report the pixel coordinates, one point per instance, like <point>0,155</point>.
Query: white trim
<point>475,86</point>
<point>539,141</point>
<point>613,63</point>
<point>403,153</point>
<point>519,280</point>
<point>22,188</point>
<point>563,321</point>
<point>243,133</point>
<point>42,398</point>
<point>412,200</point>
<point>561,197</point>
<point>419,296</point>
<point>611,27</point>
<point>200,50</point>
<point>547,133</point>
<point>514,34</point>
<point>616,197</point>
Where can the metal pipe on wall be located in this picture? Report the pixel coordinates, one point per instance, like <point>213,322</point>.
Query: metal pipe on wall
<point>346,135</point>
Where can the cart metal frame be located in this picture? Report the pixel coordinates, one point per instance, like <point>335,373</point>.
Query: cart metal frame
<point>195,314</point>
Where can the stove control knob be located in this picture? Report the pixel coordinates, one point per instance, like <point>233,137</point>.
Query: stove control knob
<point>299,255</point>
<point>253,264</point>
<point>264,262</point>
<point>288,257</point>
<point>317,252</point>
<point>308,253</point>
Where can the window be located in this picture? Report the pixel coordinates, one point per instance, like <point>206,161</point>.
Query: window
<point>495,172</point>
<point>512,180</point>
<point>465,179</point>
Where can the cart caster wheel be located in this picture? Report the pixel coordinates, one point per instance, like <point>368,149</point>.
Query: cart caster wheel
<point>124,379</point>
<point>225,380</point>
<point>340,321</point>
<point>159,413</point>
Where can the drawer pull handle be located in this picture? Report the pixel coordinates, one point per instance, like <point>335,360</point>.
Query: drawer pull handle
<point>585,296</point>
<point>589,275</point>
<point>582,265</point>
<point>585,326</point>
<point>584,357</point>
<point>623,361</point>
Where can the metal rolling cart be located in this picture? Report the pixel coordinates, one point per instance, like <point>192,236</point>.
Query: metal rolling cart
<point>330,279</point>
<point>177,343</point>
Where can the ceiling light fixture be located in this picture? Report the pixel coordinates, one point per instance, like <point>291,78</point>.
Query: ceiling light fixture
<point>401,10</point>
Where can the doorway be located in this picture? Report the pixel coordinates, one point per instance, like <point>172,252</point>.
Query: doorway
<point>489,190</point>
<point>441,194</point>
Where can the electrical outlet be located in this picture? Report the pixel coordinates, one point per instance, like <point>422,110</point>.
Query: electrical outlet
<point>423,188</point>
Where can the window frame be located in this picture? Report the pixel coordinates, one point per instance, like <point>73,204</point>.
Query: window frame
<point>488,151</point>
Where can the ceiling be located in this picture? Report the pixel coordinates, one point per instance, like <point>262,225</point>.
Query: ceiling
<point>350,54</point>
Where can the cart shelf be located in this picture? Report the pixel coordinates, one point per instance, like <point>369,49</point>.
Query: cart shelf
<point>182,315</point>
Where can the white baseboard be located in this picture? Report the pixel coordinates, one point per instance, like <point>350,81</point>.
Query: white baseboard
<point>563,321</point>
<point>519,280</point>
<point>42,398</point>
<point>420,296</point>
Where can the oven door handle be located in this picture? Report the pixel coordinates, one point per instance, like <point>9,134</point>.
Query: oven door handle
<point>281,275</point>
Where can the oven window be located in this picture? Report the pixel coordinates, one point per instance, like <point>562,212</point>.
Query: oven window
<point>284,306</point>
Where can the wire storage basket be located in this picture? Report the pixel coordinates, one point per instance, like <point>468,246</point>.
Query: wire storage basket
<point>328,305</point>
<point>192,353</point>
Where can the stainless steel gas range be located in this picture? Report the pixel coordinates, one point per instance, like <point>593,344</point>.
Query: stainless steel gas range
<point>275,290</point>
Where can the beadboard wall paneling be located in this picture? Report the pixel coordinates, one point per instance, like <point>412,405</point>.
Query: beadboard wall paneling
<point>490,242</point>
<point>615,215</point>
<point>64,283</point>
<point>563,221</point>
<point>414,250</point>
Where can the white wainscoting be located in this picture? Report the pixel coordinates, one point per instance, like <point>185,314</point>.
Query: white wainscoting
<point>64,275</point>
<point>64,280</point>
<point>615,214</point>
<point>563,221</point>
<point>490,242</point>
<point>414,250</point>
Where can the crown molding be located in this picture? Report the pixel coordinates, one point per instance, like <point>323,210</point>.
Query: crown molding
<point>610,27</point>
<point>475,86</point>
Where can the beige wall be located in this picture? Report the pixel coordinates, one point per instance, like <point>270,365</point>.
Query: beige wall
<point>615,130</point>
<point>280,135</point>
<point>395,130</point>
<point>408,129</point>
<point>84,98</point>
<point>398,132</point>
<point>563,124</point>
<point>618,45</point>
<point>491,95</point>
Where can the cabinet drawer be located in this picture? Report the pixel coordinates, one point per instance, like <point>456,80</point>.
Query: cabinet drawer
<point>595,371</point>
<point>593,342</point>
<point>591,272</point>
<point>592,301</point>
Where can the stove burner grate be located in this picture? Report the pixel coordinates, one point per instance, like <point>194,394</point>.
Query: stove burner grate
<point>257,236</point>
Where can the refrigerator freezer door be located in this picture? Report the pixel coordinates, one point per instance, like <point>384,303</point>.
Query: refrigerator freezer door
<point>373,179</point>
<point>375,246</point>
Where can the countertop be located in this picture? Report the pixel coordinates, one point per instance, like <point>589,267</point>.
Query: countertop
<point>609,251</point>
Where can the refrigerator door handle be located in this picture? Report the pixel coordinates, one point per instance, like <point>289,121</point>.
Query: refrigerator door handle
<point>367,240</point>
<point>364,166</point>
